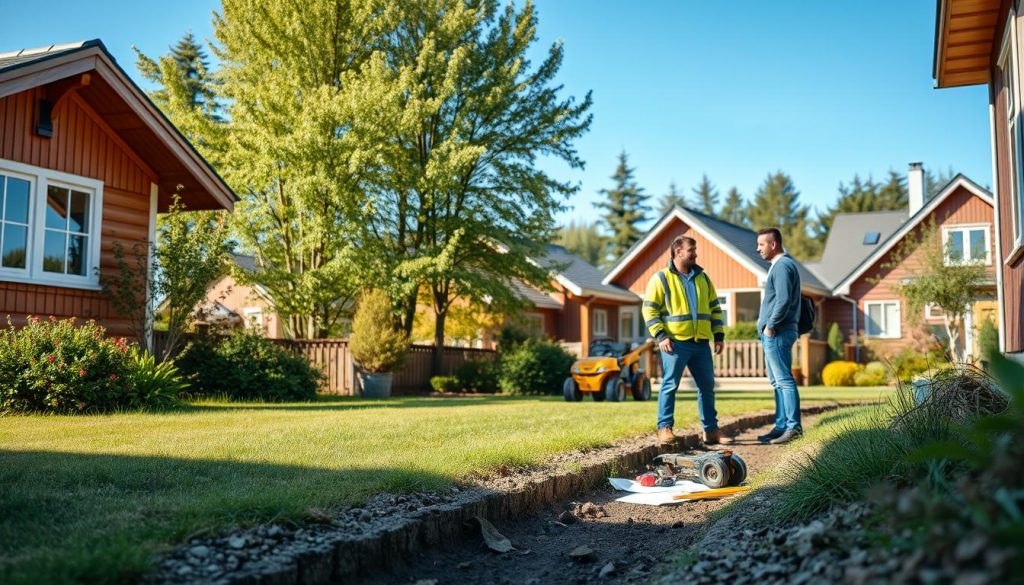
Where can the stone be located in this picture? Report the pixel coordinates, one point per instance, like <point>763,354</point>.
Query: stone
<point>582,554</point>
<point>606,570</point>
<point>199,551</point>
<point>566,517</point>
<point>237,542</point>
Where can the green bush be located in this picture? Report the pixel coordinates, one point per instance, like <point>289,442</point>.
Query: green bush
<point>836,351</point>
<point>56,366</point>
<point>478,376</point>
<point>988,337</point>
<point>153,384</point>
<point>245,366</point>
<point>840,373</point>
<point>741,330</point>
<point>909,364</point>
<point>511,337</point>
<point>445,384</point>
<point>534,367</point>
<point>376,346</point>
<point>869,378</point>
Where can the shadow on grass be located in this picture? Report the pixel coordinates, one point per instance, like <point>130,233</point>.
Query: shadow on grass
<point>73,518</point>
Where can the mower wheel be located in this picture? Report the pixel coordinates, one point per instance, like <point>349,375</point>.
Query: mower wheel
<point>615,390</point>
<point>642,388</point>
<point>737,469</point>
<point>714,473</point>
<point>571,390</point>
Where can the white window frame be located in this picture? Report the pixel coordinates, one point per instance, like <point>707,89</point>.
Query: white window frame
<point>929,312</point>
<point>1009,63</point>
<point>965,229</point>
<point>635,312</point>
<point>254,317</point>
<point>603,320</point>
<point>899,319</point>
<point>536,324</point>
<point>40,180</point>
<point>723,304</point>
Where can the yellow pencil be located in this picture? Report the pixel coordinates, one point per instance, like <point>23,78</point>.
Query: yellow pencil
<point>716,493</point>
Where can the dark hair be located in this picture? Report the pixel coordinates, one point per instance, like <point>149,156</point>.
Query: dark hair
<point>776,234</point>
<point>678,242</point>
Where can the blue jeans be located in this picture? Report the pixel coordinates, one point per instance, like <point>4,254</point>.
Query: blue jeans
<point>778,360</point>
<point>696,355</point>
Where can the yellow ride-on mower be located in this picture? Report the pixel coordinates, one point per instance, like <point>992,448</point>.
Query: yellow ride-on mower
<point>607,372</point>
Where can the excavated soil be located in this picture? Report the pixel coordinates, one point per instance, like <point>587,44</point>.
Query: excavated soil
<point>628,543</point>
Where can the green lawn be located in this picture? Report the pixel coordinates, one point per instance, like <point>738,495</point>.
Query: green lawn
<point>95,498</point>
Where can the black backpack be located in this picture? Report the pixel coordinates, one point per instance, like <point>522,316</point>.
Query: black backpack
<point>807,316</point>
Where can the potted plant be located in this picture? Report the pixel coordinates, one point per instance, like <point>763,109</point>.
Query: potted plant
<point>377,348</point>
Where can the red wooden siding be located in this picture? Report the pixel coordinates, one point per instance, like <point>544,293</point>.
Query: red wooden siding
<point>961,207</point>
<point>1013,275</point>
<point>83,145</point>
<point>724,270</point>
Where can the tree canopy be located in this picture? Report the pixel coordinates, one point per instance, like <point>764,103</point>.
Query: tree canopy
<point>625,208</point>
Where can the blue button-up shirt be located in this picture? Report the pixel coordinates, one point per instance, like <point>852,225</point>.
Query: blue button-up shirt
<point>690,288</point>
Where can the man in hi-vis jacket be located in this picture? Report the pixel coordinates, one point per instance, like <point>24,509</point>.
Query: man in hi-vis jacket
<point>682,313</point>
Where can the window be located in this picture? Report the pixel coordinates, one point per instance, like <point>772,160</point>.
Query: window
<point>600,322</point>
<point>253,317</point>
<point>871,238</point>
<point>933,311</point>
<point>882,319</point>
<point>1009,60</point>
<point>535,324</point>
<point>629,319</point>
<point>967,244</point>
<point>723,303</point>
<point>49,226</point>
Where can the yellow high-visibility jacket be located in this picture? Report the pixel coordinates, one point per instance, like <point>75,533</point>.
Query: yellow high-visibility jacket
<point>667,312</point>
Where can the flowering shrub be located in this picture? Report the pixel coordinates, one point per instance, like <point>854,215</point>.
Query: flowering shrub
<point>247,366</point>
<point>840,373</point>
<point>56,366</point>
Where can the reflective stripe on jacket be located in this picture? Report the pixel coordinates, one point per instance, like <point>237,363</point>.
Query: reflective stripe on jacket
<point>667,312</point>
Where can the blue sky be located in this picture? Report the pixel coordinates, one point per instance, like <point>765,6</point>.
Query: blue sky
<point>820,90</point>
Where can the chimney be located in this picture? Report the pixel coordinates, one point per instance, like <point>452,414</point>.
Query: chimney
<point>915,187</point>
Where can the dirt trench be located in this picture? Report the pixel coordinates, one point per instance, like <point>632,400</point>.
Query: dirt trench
<point>631,543</point>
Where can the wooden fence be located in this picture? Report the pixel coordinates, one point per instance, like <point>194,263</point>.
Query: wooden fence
<point>745,359</point>
<point>333,358</point>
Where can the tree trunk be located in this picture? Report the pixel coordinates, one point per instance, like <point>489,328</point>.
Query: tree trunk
<point>436,360</point>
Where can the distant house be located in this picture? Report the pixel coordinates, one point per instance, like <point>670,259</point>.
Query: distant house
<point>86,160</point>
<point>727,252</point>
<point>864,293</point>
<point>231,304</point>
<point>980,42</point>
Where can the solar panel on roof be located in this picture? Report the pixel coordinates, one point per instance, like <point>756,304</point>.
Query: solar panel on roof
<point>871,238</point>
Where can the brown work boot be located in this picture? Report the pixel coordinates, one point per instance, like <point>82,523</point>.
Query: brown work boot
<point>666,436</point>
<point>715,438</point>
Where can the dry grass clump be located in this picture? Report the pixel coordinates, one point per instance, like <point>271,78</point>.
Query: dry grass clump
<point>955,396</point>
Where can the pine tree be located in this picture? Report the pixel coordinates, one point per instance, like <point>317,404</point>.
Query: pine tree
<point>625,209</point>
<point>777,204</point>
<point>735,209</point>
<point>586,241</point>
<point>706,197</point>
<point>934,182</point>
<point>864,195</point>
<point>671,199</point>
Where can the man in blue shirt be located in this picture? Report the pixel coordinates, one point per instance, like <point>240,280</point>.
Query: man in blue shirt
<point>777,326</point>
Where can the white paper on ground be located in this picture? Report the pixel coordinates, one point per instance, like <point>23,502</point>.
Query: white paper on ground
<point>655,496</point>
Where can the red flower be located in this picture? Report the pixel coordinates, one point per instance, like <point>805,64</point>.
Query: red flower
<point>112,376</point>
<point>53,319</point>
<point>81,372</point>
<point>51,358</point>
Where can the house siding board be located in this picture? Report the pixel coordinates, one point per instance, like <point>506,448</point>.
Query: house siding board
<point>724,270</point>
<point>840,312</point>
<point>571,321</point>
<point>878,283</point>
<point>1013,275</point>
<point>82,146</point>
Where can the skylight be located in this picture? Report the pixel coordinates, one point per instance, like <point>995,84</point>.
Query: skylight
<point>871,238</point>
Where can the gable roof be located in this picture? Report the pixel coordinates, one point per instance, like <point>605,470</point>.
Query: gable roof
<point>739,242</point>
<point>580,277</point>
<point>534,297</point>
<point>846,245</point>
<point>843,286</point>
<point>127,110</point>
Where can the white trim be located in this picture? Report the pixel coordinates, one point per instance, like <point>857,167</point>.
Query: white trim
<point>593,327</point>
<point>899,318</point>
<point>843,288</point>
<point>154,195</point>
<point>966,228</point>
<point>41,179</point>
<point>929,312</point>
